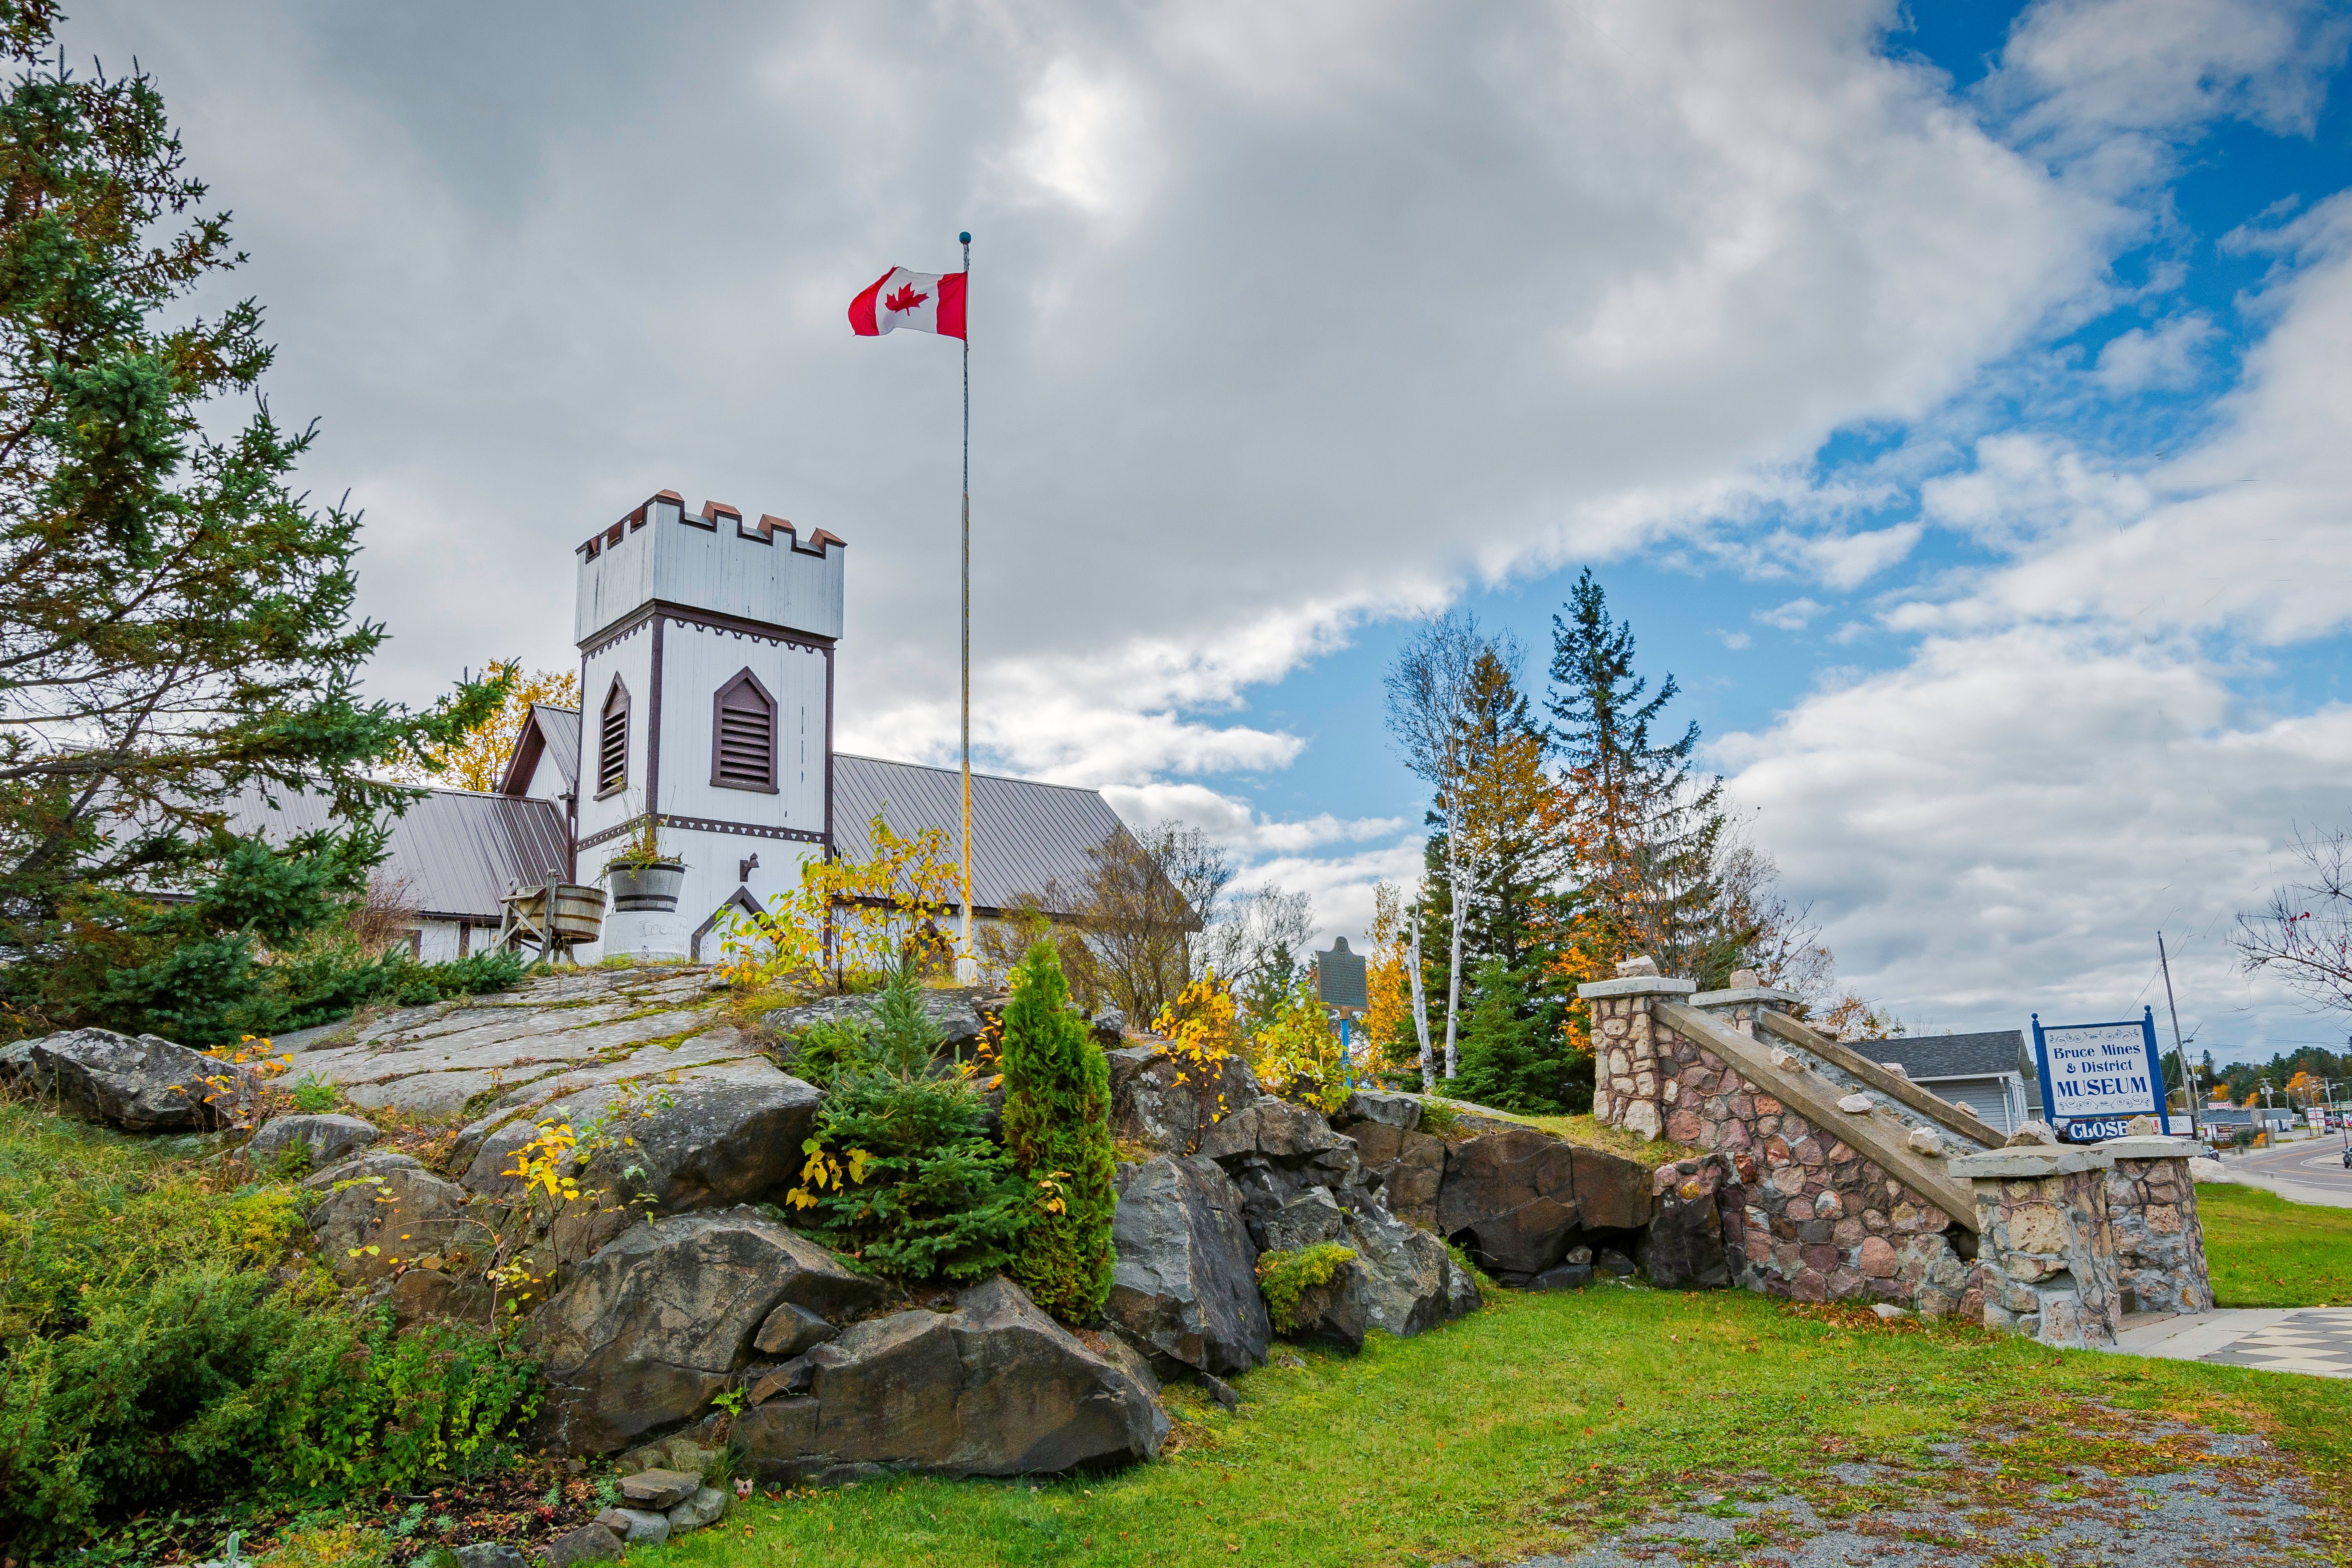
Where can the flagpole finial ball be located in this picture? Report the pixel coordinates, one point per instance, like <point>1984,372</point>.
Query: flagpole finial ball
<point>964,238</point>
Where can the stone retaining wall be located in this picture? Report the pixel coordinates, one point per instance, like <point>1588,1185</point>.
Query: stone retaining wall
<point>1815,1219</point>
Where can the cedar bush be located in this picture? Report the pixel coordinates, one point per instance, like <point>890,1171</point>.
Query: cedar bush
<point>900,1174</point>
<point>1057,1127</point>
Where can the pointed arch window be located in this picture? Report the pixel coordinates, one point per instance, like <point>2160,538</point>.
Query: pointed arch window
<point>743,735</point>
<point>613,742</point>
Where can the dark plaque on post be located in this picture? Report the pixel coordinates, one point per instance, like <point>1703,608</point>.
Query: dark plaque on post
<point>1340,978</point>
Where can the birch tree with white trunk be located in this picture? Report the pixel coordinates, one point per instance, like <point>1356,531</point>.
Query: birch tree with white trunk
<point>1428,690</point>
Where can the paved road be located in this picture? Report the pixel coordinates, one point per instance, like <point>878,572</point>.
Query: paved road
<point>2311,1171</point>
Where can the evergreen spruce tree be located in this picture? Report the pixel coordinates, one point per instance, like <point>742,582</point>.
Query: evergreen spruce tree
<point>177,622</point>
<point>1515,1054</point>
<point>1644,826</point>
<point>1057,1127</point>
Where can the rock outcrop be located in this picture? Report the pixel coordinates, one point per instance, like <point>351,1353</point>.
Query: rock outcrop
<point>1274,1151</point>
<point>145,1084</point>
<point>328,1138</point>
<point>386,1215</point>
<point>1518,1198</point>
<point>1161,1097</point>
<point>993,1388</point>
<point>657,1322</point>
<point>1184,1290</point>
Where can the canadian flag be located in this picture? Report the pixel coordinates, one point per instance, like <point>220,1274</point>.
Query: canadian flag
<point>924,301</point>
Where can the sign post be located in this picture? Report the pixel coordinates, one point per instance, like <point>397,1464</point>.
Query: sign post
<point>2095,1077</point>
<point>1339,985</point>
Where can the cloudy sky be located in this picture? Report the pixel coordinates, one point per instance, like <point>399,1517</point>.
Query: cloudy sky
<point>1957,398</point>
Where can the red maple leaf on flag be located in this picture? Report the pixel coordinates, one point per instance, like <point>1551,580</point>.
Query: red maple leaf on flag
<point>905,299</point>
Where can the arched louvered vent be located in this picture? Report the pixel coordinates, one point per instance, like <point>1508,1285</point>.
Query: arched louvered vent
<point>743,735</point>
<point>613,742</point>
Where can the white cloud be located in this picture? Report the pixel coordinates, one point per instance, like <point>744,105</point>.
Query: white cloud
<point>1792,616</point>
<point>2003,824</point>
<point>2242,532</point>
<point>1734,641</point>
<point>2164,356</point>
<point>1849,561</point>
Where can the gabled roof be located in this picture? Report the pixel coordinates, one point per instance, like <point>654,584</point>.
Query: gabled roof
<point>1931,1056</point>
<point>457,852</point>
<point>553,732</point>
<point>1026,836</point>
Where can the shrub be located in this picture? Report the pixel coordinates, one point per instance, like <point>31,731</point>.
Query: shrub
<point>1057,1127</point>
<point>149,1358</point>
<point>900,1173</point>
<point>1284,1277</point>
<point>314,1095</point>
<point>345,1545</point>
<point>901,1176</point>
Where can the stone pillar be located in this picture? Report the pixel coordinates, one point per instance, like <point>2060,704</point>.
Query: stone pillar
<point>2045,1245</point>
<point>1628,1083</point>
<point>1738,1006</point>
<point>2159,1240</point>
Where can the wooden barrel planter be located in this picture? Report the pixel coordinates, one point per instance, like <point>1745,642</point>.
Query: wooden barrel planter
<point>652,888</point>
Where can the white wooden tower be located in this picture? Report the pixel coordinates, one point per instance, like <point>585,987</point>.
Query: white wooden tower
<point>706,694</point>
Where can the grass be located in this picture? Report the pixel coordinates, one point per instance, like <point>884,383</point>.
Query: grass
<point>2265,1251</point>
<point>1536,1423</point>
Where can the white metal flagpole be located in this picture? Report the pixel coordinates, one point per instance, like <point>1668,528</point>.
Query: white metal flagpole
<point>967,964</point>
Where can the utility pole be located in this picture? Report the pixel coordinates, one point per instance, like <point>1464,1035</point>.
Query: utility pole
<point>2188,1083</point>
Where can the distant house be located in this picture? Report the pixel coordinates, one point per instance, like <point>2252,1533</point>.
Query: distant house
<point>707,650</point>
<point>1990,1073</point>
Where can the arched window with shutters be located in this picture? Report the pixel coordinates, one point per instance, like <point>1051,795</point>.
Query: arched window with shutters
<point>613,742</point>
<point>743,735</point>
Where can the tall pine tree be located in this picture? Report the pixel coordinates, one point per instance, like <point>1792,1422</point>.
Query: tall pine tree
<point>1644,825</point>
<point>177,623</point>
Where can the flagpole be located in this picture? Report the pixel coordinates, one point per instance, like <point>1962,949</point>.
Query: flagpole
<point>968,963</point>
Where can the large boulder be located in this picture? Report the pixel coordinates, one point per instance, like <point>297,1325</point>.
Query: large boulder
<point>143,1086</point>
<point>1410,1283</point>
<point>653,1324</point>
<point>1164,1097</point>
<point>1274,1151</point>
<point>1408,1163</point>
<point>1183,1287</point>
<point>707,1142</point>
<point>994,1387</point>
<point>1683,1247</point>
<point>1334,1310</point>
<point>1518,1198</point>
<point>377,1220</point>
<point>326,1138</point>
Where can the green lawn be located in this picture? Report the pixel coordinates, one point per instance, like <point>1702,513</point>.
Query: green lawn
<point>2265,1251</point>
<point>1536,1423</point>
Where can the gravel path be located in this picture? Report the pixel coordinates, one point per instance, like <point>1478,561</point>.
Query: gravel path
<point>2193,1499</point>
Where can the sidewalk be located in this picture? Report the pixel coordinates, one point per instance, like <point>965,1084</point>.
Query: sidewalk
<point>2314,1341</point>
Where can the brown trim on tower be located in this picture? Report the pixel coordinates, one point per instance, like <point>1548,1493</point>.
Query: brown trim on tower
<point>828,749</point>
<point>710,619</point>
<point>653,727</point>
<point>704,825</point>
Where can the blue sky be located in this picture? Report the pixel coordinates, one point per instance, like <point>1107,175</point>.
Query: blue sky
<point>1952,396</point>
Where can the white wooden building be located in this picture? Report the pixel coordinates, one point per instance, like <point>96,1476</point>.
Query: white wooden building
<point>707,650</point>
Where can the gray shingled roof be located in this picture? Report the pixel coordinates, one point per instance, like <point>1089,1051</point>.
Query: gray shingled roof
<point>1023,834</point>
<point>1953,1055</point>
<point>458,851</point>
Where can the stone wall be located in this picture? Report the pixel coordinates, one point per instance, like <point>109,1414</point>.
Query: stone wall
<point>1815,1221</point>
<point>2047,1248</point>
<point>2159,1240</point>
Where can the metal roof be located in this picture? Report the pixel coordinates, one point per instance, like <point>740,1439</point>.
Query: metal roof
<point>551,731</point>
<point>1024,835</point>
<point>1931,1056</point>
<point>457,852</point>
